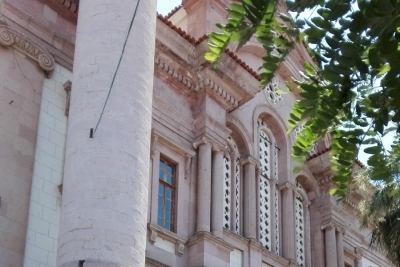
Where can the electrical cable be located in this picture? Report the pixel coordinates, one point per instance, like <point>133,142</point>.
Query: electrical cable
<point>116,70</point>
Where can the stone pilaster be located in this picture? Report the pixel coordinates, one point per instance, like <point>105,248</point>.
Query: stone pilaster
<point>330,245</point>
<point>204,185</point>
<point>274,225</point>
<point>288,230</point>
<point>155,160</point>
<point>217,196</point>
<point>250,199</point>
<point>105,189</point>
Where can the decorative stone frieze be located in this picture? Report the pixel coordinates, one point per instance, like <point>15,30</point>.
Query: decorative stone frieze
<point>67,87</point>
<point>228,100</point>
<point>351,204</point>
<point>166,68</point>
<point>26,46</point>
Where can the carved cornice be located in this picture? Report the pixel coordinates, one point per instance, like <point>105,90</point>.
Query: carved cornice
<point>166,68</point>
<point>21,43</point>
<point>229,101</point>
<point>354,206</point>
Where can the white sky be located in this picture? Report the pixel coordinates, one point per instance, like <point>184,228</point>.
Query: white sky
<point>165,6</point>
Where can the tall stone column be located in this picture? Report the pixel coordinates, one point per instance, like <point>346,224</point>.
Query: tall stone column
<point>250,199</point>
<point>217,196</point>
<point>288,221</point>
<point>105,188</point>
<point>330,246</point>
<point>204,187</point>
<point>339,248</point>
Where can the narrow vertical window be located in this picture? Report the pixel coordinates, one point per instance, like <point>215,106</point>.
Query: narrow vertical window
<point>166,195</point>
<point>265,189</point>
<point>232,180</point>
<point>299,217</point>
<point>227,193</point>
<point>237,196</point>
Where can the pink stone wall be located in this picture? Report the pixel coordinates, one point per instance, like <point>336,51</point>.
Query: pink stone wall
<point>20,93</point>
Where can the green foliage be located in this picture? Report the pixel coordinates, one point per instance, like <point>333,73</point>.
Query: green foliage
<point>352,91</point>
<point>381,213</point>
<point>255,18</point>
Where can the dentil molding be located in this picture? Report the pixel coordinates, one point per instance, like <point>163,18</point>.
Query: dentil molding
<point>26,46</point>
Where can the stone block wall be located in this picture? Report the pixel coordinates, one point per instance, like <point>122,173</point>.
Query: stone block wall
<point>45,201</point>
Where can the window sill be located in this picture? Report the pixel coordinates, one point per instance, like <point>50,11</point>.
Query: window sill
<point>157,231</point>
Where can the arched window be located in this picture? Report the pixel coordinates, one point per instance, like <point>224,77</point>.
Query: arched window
<point>301,220</point>
<point>232,182</point>
<point>268,192</point>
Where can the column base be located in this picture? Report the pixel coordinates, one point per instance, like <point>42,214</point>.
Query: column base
<point>206,250</point>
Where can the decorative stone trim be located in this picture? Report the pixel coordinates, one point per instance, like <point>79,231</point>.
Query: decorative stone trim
<point>179,241</point>
<point>185,81</point>
<point>325,180</point>
<point>209,237</point>
<point>160,137</point>
<point>154,263</point>
<point>21,43</point>
<point>220,92</point>
<point>351,204</point>
<point>70,5</point>
<point>67,87</point>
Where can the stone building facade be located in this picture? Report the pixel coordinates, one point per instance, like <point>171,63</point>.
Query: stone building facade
<point>178,164</point>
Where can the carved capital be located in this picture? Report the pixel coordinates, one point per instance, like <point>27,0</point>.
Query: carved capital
<point>250,160</point>
<point>327,226</point>
<point>21,43</point>
<point>202,140</point>
<point>287,186</point>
